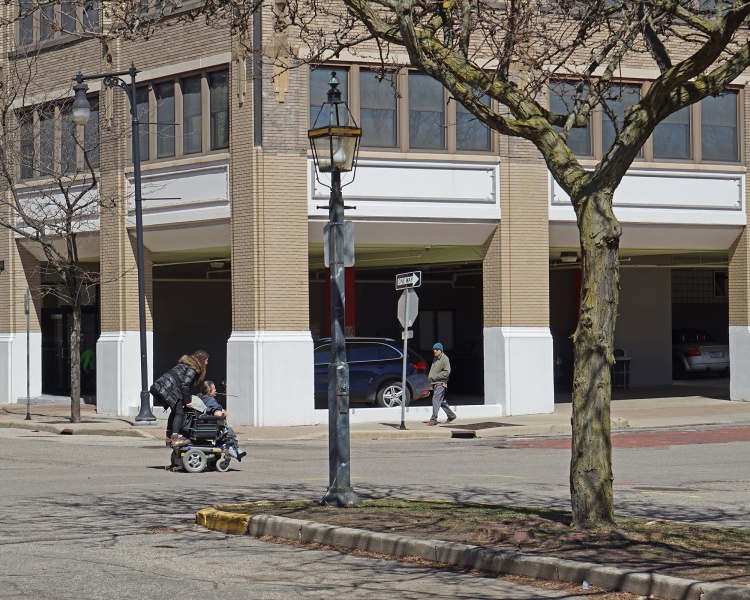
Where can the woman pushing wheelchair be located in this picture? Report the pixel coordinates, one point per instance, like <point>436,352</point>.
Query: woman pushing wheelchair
<point>173,390</point>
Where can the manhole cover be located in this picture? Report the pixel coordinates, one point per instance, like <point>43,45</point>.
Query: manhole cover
<point>478,426</point>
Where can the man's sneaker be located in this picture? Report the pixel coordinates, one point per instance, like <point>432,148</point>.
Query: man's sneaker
<point>179,441</point>
<point>450,419</point>
<point>431,422</point>
<point>241,454</point>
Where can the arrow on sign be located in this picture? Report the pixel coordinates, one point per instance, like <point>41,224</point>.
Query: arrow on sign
<point>408,280</point>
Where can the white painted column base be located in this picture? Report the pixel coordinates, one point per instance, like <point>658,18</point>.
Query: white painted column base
<point>13,367</point>
<point>118,372</point>
<point>518,370</point>
<point>739,351</point>
<point>270,378</point>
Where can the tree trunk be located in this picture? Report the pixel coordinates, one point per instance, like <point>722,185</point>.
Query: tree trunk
<point>75,364</point>
<point>591,460</point>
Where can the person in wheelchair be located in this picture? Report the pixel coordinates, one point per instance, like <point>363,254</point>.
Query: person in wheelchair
<point>212,407</point>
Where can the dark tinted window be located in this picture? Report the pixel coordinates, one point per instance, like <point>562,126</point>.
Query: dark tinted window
<point>361,352</point>
<point>387,352</point>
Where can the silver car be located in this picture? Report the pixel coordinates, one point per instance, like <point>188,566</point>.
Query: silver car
<point>694,351</point>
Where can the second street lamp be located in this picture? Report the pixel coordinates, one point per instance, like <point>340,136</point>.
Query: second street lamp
<point>81,111</point>
<point>334,147</point>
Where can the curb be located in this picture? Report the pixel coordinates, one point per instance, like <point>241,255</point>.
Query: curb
<point>73,429</point>
<point>496,562</point>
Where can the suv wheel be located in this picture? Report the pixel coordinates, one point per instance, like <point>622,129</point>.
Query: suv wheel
<point>389,395</point>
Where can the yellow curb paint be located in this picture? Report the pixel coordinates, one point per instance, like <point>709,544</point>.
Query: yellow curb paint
<point>232,523</point>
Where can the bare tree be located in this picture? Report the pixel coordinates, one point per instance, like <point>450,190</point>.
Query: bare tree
<point>48,174</point>
<point>517,53</point>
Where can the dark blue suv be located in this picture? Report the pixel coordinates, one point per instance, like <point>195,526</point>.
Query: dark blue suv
<point>375,367</point>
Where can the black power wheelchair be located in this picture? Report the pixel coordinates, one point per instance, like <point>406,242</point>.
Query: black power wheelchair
<point>207,446</point>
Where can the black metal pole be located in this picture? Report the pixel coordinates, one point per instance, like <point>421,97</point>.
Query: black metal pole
<point>145,416</point>
<point>340,492</point>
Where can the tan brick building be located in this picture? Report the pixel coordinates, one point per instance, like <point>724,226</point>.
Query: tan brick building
<point>233,231</point>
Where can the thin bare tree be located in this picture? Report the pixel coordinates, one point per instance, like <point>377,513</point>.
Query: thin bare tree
<point>50,197</point>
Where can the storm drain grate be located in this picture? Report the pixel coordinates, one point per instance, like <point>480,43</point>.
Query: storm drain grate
<point>478,426</point>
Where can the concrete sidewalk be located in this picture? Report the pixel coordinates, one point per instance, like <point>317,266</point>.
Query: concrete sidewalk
<point>678,411</point>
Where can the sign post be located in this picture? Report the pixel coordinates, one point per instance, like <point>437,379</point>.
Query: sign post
<point>408,309</point>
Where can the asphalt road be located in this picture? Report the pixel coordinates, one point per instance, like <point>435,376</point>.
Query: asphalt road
<point>99,517</point>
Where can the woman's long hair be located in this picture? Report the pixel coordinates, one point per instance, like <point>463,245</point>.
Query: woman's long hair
<point>201,356</point>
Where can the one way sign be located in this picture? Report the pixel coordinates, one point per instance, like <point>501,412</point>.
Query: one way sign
<point>408,280</point>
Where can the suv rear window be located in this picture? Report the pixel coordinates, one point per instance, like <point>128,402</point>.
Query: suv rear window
<point>361,352</point>
<point>386,352</point>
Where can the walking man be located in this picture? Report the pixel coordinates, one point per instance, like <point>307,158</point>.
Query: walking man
<point>439,373</point>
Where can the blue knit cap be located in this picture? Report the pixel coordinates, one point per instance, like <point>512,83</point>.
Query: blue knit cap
<point>438,346</point>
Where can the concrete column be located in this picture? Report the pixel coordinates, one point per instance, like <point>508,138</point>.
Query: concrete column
<point>118,380</point>
<point>269,354</point>
<point>518,357</point>
<point>739,318</point>
<point>21,270</point>
<point>739,302</point>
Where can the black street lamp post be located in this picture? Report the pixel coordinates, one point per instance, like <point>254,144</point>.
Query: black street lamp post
<point>81,111</point>
<point>334,147</point>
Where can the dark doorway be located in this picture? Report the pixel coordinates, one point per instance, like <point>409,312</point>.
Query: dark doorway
<point>56,349</point>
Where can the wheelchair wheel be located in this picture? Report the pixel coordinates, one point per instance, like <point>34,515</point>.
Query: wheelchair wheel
<point>194,461</point>
<point>222,464</point>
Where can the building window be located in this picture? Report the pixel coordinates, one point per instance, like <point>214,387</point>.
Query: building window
<point>320,114</point>
<point>401,110</point>
<point>26,122</point>
<point>378,109</point>
<point>91,135</point>
<point>620,98</point>
<point>25,22</point>
<point>144,118</point>
<point>562,100</point>
<point>426,112</point>
<point>471,133</point>
<point>672,136</point>
<point>218,86</point>
<point>54,21</point>
<point>191,115</point>
<point>165,119</point>
<point>719,128</point>
<point>708,131</point>
<point>184,116</point>
<point>68,143</point>
<point>51,146</point>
